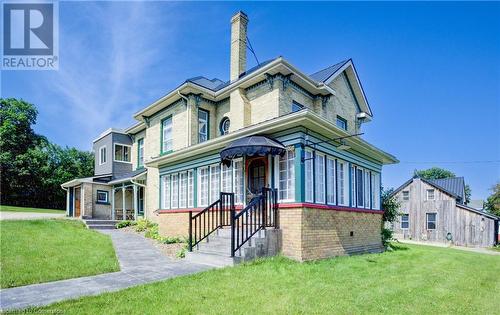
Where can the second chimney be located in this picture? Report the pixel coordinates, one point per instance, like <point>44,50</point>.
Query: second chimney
<point>239,24</point>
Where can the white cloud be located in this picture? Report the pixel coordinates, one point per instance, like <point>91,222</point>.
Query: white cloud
<point>105,54</point>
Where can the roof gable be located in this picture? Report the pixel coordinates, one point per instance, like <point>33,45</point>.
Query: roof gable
<point>453,185</point>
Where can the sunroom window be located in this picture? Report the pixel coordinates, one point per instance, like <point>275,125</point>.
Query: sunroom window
<point>122,153</point>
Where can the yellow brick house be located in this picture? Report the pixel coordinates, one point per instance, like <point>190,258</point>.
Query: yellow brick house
<point>272,148</point>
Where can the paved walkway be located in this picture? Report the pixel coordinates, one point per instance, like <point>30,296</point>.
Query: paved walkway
<point>140,262</point>
<point>13,215</point>
<point>479,250</point>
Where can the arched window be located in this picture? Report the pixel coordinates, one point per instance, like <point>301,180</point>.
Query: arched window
<point>224,126</point>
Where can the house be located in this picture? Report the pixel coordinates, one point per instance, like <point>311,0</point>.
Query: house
<point>272,147</point>
<point>435,211</point>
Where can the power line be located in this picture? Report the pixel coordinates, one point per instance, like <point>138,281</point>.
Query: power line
<point>252,51</point>
<point>450,162</point>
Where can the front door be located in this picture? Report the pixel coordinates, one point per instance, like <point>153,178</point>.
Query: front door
<point>77,201</point>
<point>256,177</point>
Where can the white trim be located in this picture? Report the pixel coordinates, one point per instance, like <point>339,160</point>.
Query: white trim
<point>427,221</point>
<point>105,155</point>
<point>108,131</point>
<point>129,152</point>
<point>305,118</point>
<point>102,191</point>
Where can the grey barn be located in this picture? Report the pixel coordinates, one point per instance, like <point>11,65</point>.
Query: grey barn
<point>435,211</point>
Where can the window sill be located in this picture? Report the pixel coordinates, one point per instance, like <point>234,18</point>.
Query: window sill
<point>102,203</point>
<point>166,152</point>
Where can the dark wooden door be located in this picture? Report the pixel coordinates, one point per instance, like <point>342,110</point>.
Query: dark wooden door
<point>77,201</point>
<point>256,176</point>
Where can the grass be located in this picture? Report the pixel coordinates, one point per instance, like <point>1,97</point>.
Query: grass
<point>411,280</point>
<point>23,209</point>
<point>35,251</point>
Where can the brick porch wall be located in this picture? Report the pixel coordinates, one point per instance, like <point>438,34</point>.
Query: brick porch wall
<point>173,224</point>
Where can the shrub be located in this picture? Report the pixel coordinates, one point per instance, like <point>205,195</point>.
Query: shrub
<point>143,225</point>
<point>386,237</point>
<point>152,231</point>
<point>125,223</point>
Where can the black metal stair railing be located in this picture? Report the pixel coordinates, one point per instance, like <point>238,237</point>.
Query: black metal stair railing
<point>261,212</point>
<point>215,216</point>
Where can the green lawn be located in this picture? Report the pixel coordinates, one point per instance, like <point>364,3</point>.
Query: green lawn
<point>37,251</point>
<point>23,209</point>
<point>414,279</point>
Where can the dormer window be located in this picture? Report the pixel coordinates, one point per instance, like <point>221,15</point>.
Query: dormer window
<point>224,126</point>
<point>102,155</point>
<point>341,123</point>
<point>296,107</point>
<point>122,153</point>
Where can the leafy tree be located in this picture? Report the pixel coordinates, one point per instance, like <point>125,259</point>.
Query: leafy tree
<point>439,173</point>
<point>32,169</point>
<point>391,207</point>
<point>492,204</point>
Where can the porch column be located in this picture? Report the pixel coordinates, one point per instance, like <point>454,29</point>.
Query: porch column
<point>135,202</point>
<point>67,201</point>
<point>112,203</point>
<point>124,216</point>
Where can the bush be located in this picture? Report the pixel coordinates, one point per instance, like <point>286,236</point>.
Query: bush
<point>152,231</point>
<point>143,224</point>
<point>125,223</point>
<point>386,237</point>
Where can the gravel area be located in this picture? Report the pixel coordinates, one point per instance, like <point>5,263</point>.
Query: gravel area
<point>169,250</point>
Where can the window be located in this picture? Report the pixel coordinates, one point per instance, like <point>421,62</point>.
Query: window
<point>190,189</point>
<point>330,180</point>
<point>367,189</point>
<point>343,183</point>
<point>319,177</point>
<point>175,191</point>
<point>183,190</point>
<point>224,126</point>
<point>227,179</point>
<point>102,196</point>
<point>102,155</point>
<point>214,183</point>
<point>431,221</point>
<point>309,176</point>
<point>406,195</point>
<point>286,176</point>
<point>296,107</point>
<point>122,153</point>
<point>360,187</point>
<point>353,186</point>
<point>166,192</point>
<point>202,125</point>
<point>238,181</point>
<point>430,194</point>
<point>376,191</point>
<point>140,153</point>
<point>341,123</point>
<point>405,221</point>
<point>166,135</point>
<point>203,187</point>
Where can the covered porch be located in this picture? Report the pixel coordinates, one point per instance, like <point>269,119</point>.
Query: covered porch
<point>127,196</point>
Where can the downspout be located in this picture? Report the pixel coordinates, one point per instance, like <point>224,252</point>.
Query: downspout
<point>188,119</point>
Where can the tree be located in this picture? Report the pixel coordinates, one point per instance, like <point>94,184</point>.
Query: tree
<point>492,204</point>
<point>391,207</point>
<point>440,173</point>
<point>32,169</point>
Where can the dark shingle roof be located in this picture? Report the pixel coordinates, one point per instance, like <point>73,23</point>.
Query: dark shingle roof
<point>454,185</point>
<point>130,174</point>
<point>325,74</point>
<point>217,84</point>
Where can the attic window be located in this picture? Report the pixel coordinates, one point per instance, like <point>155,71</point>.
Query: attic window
<point>406,195</point>
<point>341,123</point>
<point>430,194</point>
<point>296,107</point>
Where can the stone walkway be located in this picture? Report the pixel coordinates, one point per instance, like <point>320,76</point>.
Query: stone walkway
<point>140,263</point>
<point>13,215</point>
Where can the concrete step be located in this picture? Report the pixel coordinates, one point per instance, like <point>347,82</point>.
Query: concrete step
<point>100,221</point>
<point>210,259</point>
<point>101,227</point>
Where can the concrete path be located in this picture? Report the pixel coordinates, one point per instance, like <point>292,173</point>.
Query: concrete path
<point>140,263</point>
<point>468,249</point>
<point>13,215</point>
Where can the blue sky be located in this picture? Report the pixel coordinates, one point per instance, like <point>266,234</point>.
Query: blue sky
<point>431,71</point>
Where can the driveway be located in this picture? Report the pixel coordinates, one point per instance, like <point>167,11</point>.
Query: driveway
<point>13,215</point>
<point>140,263</point>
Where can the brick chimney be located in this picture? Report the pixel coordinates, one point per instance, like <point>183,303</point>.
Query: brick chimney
<point>239,23</point>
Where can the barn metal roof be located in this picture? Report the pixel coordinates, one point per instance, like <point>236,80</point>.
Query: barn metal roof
<point>454,185</point>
